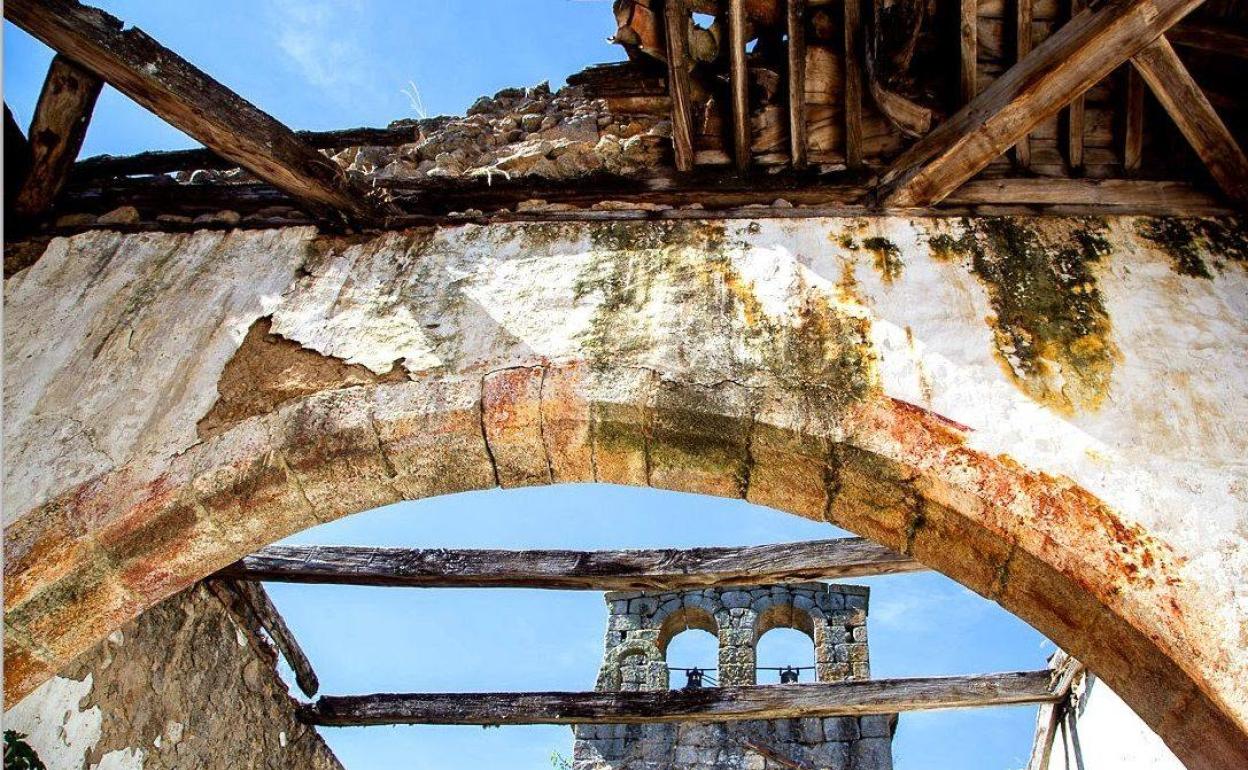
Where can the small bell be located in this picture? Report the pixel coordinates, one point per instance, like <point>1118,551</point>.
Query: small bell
<point>694,679</point>
<point>788,675</point>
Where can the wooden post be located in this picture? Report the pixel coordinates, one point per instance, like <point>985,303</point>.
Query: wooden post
<point>1133,129</point>
<point>796,24</point>
<point>968,43</point>
<point>187,98</point>
<point>1022,46</point>
<point>676,22</point>
<point>853,84</point>
<point>740,82</point>
<point>716,704</point>
<point>56,133</point>
<point>1075,118</point>
<point>1187,105</point>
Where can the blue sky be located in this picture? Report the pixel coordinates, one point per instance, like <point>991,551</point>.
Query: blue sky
<point>322,64</point>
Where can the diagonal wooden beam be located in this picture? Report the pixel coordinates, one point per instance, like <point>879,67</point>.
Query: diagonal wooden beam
<point>661,569</point>
<point>711,704</point>
<point>190,100</point>
<point>251,602</point>
<point>56,133</point>
<point>1068,63</point>
<point>1191,111</point>
<point>676,22</point>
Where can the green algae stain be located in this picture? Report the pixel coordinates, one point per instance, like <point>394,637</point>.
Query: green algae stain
<point>1051,330</point>
<point>886,257</point>
<point>1189,242</point>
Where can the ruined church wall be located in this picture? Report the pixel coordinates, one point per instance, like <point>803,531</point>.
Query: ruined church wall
<point>185,686</point>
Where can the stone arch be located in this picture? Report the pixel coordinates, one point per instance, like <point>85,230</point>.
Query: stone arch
<point>610,677</point>
<point>1115,591</point>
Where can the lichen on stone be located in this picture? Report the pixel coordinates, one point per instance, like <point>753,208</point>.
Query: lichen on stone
<point>1051,328</point>
<point>886,257</point>
<point>1189,242</point>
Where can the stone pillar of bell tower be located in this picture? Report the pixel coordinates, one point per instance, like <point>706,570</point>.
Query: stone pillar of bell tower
<point>640,626</point>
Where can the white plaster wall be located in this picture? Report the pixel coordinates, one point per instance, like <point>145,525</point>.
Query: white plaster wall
<point>1109,736</point>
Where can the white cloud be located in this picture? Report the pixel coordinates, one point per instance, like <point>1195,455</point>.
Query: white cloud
<point>323,40</point>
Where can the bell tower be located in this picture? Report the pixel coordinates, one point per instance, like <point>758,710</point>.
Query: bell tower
<point>640,625</point>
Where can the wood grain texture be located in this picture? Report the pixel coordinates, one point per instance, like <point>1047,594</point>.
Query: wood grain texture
<point>667,569</point>
<point>56,133</point>
<point>795,22</point>
<point>1133,124</point>
<point>1075,117</point>
<point>187,98</point>
<point>676,21</point>
<point>853,83</point>
<point>968,47</point>
<point>739,80</point>
<point>712,704</point>
<point>1072,60</point>
<point>1191,111</point>
<point>1022,47</point>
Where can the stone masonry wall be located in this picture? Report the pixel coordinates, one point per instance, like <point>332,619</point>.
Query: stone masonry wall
<point>641,624</point>
<point>185,686</point>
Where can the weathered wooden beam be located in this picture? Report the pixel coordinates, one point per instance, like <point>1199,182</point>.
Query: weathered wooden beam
<point>1075,117</point>
<point>1191,111</point>
<point>676,23</point>
<point>666,569</point>
<point>853,83</point>
<point>1022,47</point>
<point>739,79</point>
<point>1207,37</point>
<point>968,47</point>
<point>190,100</point>
<point>1066,64</point>
<point>711,704</point>
<point>1108,194</point>
<point>795,21</point>
<point>165,161</point>
<point>1133,124</point>
<point>250,601</point>
<point>1047,718</point>
<point>56,133</point>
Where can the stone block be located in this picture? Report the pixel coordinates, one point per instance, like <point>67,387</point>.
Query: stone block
<point>871,754</point>
<point>876,725</point>
<point>735,599</point>
<point>840,729</point>
<point>810,730</point>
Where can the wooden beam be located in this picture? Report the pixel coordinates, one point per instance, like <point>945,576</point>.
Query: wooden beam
<point>187,98</point>
<point>1022,47</point>
<point>1142,197</point>
<point>1048,716</point>
<point>1133,128</point>
<point>968,45</point>
<point>676,22</point>
<point>853,83</point>
<point>1075,117</point>
<point>643,570</point>
<point>1066,64</point>
<point>1207,37</point>
<point>711,704</point>
<point>739,79</point>
<point>17,158</point>
<point>56,133</point>
<point>796,26</point>
<point>1188,107</point>
<point>250,601</point>
<point>165,161</point>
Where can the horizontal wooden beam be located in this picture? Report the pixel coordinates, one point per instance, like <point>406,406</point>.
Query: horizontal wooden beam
<point>190,100</point>
<point>711,704</point>
<point>1069,62</point>
<point>642,570</point>
<point>166,161</point>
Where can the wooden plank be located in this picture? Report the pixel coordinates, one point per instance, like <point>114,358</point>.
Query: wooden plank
<point>251,603</point>
<point>1047,718</point>
<point>1133,128</point>
<point>666,569</point>
<point>1188,107</point>
<point>166,161</point>
<point>968,45</point>
<point>56,133</point>
<point>1140,196</point>
<point>1022,47</point>
<point>739,79</point>
<point>712,704</point>
<point>1063,66</point>
<point>676,21</point>
<point>1075,117</point>
<point>853,83</point>
<point>1211,38</point>
<point>796,27</point>
<point>187,98</point>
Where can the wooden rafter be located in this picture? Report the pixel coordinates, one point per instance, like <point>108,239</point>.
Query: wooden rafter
<point>1133,123</point>
<point>193,102</point>
<point>739,79</point>
<point>1191,111</point>
<point>56,133</point>
<point>665,569</point>
<point>1207,37</point>
<point>713,704</point>
<point>676,22</point>
<point>968,48</point>
<point>795,22</point>
<point>1022,47</point>
<point>853,83</point>
<point>1075,117</point>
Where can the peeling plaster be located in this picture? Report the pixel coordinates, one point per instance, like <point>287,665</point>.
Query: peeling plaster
<point>55,727</point>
